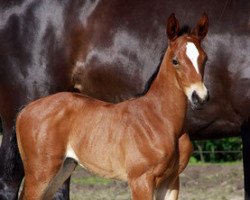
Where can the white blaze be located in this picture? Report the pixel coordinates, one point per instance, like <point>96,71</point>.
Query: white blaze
<point>193,54</point>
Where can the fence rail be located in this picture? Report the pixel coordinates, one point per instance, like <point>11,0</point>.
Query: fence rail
<point>217,152</point>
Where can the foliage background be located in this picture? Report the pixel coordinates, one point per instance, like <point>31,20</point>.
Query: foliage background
<point>223,150</point>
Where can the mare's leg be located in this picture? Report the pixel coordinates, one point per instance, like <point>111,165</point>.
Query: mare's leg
<point>11,168</point>
<point>245,134</point>
<point>142,187</point>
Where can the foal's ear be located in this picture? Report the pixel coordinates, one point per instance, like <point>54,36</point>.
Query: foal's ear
<point>201,28</point>
<point>172,27</point>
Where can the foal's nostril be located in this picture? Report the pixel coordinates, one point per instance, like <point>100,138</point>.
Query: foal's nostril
<point>195,98</point>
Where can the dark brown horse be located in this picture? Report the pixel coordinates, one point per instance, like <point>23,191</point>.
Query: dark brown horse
<point>141,140</point>
<point>103,48</point>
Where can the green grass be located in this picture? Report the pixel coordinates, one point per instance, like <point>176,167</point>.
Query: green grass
<point>93,180</point>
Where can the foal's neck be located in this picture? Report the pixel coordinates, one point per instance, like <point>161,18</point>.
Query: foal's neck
<point>166,99</point>
<point>166,84</point>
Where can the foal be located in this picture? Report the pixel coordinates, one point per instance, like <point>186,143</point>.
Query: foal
<point>141,141</point>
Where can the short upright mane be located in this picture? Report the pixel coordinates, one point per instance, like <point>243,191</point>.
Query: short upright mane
<point>184,30</point>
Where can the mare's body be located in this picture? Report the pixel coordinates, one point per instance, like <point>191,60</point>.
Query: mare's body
<point>107,49</point>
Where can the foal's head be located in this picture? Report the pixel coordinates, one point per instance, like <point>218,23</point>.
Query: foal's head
<point>188,58</point>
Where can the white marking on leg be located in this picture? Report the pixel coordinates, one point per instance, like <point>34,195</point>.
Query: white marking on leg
<point>193,54</point>
<point>165,192</point>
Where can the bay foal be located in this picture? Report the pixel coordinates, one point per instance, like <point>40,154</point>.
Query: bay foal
<point>142,140</point>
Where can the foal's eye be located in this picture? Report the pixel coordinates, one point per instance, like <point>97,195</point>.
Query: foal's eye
<point>175,62</point>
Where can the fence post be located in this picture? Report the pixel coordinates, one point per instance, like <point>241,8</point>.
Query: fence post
<point>200,153</point>
<point>245,134</point>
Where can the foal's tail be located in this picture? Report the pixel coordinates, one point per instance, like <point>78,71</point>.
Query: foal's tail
<point>62,175</point>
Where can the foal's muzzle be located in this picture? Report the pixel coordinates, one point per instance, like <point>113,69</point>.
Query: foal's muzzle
<point>197,101</point>
<point>197,94</point>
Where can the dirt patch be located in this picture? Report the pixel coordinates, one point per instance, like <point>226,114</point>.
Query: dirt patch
<point>215,182</point>
<point>198,182</point>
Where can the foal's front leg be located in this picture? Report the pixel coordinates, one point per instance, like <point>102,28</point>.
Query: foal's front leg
<point>169,189</point>
<point>142,188</point>
<point>185,151</point>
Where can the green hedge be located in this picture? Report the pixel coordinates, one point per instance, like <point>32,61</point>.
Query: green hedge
<point>223,150</point>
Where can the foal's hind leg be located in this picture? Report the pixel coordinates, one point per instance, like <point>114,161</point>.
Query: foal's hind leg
<point>37,179</point>
<point>42,184</point>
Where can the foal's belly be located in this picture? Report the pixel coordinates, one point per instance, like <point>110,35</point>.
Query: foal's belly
<point>102,164</point>
<point>105,172</point>
<point>113,169</point>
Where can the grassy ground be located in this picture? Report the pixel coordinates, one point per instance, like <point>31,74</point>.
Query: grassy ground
<point>198,182</point>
